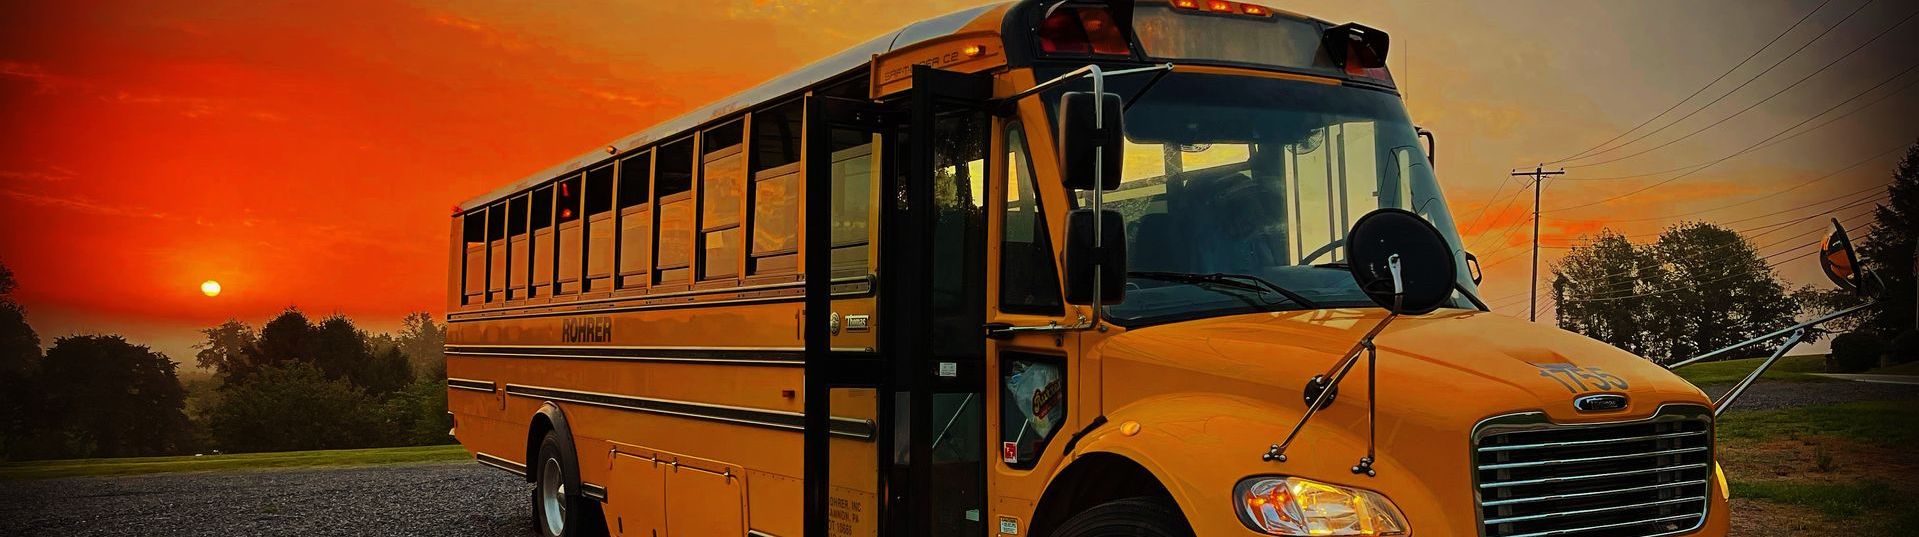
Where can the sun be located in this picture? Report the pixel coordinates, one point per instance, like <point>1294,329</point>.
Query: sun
<point>210,287</point>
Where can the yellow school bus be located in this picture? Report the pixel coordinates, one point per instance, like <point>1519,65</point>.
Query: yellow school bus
<point>1050,268</point>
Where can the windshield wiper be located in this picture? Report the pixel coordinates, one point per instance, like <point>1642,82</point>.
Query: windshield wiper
<point>1242,281</point>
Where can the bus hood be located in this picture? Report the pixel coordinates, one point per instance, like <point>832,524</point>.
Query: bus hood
<point>1455,366</point>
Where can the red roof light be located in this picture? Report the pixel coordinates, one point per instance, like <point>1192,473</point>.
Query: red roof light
<point>1082,30</point>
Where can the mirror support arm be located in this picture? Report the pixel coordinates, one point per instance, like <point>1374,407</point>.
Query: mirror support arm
<point>1783,331</point>
<point>1719,407</point>
<point>1277,452</point>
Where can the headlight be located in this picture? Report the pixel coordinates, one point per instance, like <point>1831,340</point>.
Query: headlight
<point>1295,506</point>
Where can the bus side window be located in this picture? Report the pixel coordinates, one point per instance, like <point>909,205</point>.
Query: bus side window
<point>570,248</point>
<point>673,194</point>
<point>1028,280</point>
<point>636,219</point>
<point>722,183</point>
<point>474,272</point>
<point>496,253</point>
<point>852,201</point>
<point>776,191</point>
<point>599,228</point>
<point>518,258</point>
<point>542,250</point>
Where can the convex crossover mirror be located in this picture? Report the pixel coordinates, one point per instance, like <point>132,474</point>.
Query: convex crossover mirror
<point>1401,261</point>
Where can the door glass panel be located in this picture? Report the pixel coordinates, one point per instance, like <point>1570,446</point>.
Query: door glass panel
<point>955,416</point>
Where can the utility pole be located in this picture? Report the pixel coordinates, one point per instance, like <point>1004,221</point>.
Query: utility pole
<point>1539,175</point>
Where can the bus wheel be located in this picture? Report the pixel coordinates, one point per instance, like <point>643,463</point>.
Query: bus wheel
<point>1131,517</point>
<point>559,510</point>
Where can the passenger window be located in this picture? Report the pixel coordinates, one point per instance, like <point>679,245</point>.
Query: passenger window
<point>599,228</point>
<point>852,202</point>
<point>496,253</point>
<point>722,185</point>
<point>571,247</point>
<point>542,249</point>
<point>517,242</point>
<point>674,197</point>
<point>1028,279</point>
<point>1032,406</point>
<point>776,190</point>
<point>474,270</point>
<point>636,219</point>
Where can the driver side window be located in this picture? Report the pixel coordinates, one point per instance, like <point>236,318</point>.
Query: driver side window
<point>1028,279</point>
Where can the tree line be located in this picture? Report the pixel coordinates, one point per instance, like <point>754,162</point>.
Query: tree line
<point>294,384</point>
<point>1699,287</point>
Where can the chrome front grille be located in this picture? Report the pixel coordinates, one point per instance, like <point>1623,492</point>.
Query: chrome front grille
<point>1640,478</point>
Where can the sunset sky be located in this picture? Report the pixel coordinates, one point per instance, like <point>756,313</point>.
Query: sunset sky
<point>309,154</point>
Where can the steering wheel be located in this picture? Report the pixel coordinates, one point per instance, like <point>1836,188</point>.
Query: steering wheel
<point>1323,250</point>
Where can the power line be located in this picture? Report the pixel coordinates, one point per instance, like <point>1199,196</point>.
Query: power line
<point>1768,98</point>
<point>1908,69</point>
<point>1742,85</point>
<point>1804,184</point>
<point>1822,124</point>
<point>1702,89</point>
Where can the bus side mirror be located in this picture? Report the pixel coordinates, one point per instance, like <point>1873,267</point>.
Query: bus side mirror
<point>1084,146</point>
<point>1401,261</point>
<point>1841,264</point>
<point>1472,268</point>
<point>1084,262</point>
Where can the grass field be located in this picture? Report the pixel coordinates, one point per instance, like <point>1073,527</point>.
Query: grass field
<point>1822,467</point>
<point>1790,368</point>
<point>290,459</point>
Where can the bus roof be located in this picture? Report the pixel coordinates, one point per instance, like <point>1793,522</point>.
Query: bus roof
<point>788,83</point>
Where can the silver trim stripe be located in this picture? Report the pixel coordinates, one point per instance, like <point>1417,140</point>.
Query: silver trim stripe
<point>1614,525</point>
<point>1496,503</point>
<point>1556,462</point>
<point>1491,449</point>
<point>503,464</point>
<point>1558,514</point>
<point>1562,479</point>
<point>773,419</point>
<point>470,384</point>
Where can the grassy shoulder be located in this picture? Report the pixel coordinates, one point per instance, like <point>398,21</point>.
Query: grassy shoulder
<point>1908,368</point>
<point>1850,465</point>
<point>1790,368</point>
<point>289,459</point>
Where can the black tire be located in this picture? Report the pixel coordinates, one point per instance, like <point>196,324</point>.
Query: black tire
<point>1131,517</point>
<point>579,516</point>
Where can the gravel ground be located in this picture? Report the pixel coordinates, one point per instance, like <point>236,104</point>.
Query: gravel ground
<point>461,498</point>
<point>1768,395</point>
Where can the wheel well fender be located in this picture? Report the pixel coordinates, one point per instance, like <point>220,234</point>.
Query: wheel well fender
<point>549,418</point>
<point>1090,480</point>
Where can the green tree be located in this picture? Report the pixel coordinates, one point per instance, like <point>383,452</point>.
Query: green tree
<point>424,342</point>
<point>340,350</point>
<point>1698,288</point>
<point>229,350</point>
<point>111,398</point>
<point>283,340</point>
<point>1888,251</point>
<point>19,361</point>
<point>1719,291</point>
<point>293,407</point>
<point>386,373</point>
<point>416,416</point>
<point>1609,266</point>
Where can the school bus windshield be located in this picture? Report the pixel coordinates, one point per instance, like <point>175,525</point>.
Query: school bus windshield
<point>1256,179</point>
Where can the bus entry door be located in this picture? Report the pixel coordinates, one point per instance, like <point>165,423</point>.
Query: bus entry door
<point>922,472</point>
